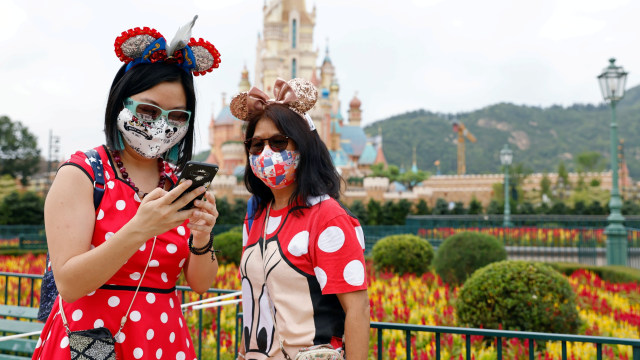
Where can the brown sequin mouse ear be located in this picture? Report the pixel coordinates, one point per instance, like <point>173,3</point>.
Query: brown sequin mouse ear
<point>307,95</point>
<point>238,106</point>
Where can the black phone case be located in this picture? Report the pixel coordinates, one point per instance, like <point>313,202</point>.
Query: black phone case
<point>201,174</point>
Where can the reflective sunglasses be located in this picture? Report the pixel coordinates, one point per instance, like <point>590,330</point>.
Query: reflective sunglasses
<point>149,112</point>
<point>277,143</point>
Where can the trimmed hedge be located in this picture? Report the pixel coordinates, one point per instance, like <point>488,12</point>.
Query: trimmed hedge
<point>461,254</point>
<point>518,295</point>
<point>402,254</point>
<point>230,246</point>
<point>610,273</point>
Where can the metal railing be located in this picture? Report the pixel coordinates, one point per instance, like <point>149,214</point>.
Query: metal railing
<point>29,283</point>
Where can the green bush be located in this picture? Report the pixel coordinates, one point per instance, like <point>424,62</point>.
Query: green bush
<point>230,246</point>
<point>518,295</point>
<point>405,253</point>
<point>463,253</point>
<point>610,273</point>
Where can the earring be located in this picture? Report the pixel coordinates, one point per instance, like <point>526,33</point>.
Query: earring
<point>119,142</point>
<point>172,155</point>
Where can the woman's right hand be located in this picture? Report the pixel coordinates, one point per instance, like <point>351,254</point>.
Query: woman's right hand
<point>158,213</point>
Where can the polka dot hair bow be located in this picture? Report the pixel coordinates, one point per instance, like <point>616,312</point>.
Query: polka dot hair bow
<point>298,94</point>
<point>146,45</point>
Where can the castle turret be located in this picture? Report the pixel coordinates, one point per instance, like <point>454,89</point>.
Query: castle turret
<point>355,114</point>
<point>244,84</point>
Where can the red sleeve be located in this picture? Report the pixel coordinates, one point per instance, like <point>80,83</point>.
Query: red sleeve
<point>338,256</point>
<point>79,160</point>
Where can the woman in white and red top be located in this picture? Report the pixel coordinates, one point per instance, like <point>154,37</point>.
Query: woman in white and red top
<point>310,274</point>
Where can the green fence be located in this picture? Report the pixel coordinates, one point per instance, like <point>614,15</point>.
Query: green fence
<point>380,329</point>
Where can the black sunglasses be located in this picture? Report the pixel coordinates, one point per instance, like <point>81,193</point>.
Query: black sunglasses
<point>277,143</point>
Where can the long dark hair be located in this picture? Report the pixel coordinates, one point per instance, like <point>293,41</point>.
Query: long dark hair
<point>143,77</point>
<point>315,175</point>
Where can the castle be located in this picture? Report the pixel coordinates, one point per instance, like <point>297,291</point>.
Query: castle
<point>285,50</point>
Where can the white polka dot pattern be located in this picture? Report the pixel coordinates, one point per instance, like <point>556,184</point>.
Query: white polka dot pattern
<point>164,318</point>
<point>107,236</point>
<point>137,353</point>
<point>114,301</point>
<point>98,323</point>
<point>273,224</point>
<point>110,185</point>
<point>65,342</point>
<point>360,235</point>
<point>321,276</point>
<point>77,315</point>
<point>354,273</point>
<point>121,204</point>
<point>154,263</point>
<point>172,337</point>
<point>135,316</point>
<point>135,276</point>
<point>100,215</point>
<point>181,230</point>
<point>164,277</point>
<point>299,245</point>
<point>151,298</point>
<point>172,248</point>
<point>159,354</point>
<point>121,338</point>
<point>150,334</point>
<point>331,239</point>
<point>171,303</point>
<point>180,355</point>
<point>182,262</point>
<point>245,235</point>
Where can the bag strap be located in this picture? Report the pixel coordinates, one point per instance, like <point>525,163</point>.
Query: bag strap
<point>98,176</point>
<point>264,269</point>
<point>252,208</point>
<point>126,316</point>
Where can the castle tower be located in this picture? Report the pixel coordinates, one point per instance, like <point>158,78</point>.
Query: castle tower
<point>380,159</point>
<point>244,84</point>
<point>286,48</point>
<point>327,71</point>
<point>355,114</point>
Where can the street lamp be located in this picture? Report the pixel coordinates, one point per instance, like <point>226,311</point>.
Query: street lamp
<point>612,82</point>
<point>506,156</point>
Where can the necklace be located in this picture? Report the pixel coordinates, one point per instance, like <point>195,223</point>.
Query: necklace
<point>125,174</point>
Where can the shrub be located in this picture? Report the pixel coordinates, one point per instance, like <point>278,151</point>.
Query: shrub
<point>402,254</point>
<point>518,295</point>
<point>461,254</point>
<point>611,273</point>
<point>230,246</point>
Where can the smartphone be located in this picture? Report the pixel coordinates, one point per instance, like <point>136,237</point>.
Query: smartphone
<point>201,174</point>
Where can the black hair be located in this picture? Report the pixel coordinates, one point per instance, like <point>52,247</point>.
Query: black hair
<point>143,77</point>
<point>315,176</point>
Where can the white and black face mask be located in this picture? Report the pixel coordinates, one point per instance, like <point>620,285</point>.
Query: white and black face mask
<point>150,139</point>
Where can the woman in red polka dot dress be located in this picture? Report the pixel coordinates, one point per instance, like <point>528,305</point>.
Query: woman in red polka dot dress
<point>99,254</point>
<point>303,252</point>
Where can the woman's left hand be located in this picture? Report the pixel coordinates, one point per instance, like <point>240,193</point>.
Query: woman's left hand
<point>203,219</point>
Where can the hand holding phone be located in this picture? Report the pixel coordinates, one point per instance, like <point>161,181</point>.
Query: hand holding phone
<point>201,174</point>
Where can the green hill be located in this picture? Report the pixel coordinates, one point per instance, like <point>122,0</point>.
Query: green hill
<point>540,137</point>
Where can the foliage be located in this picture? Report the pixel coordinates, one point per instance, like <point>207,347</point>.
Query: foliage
<point>441,207</point>
<point>422,208</point>
<point>475,206</point>
<point>358,209</point>
<point>611,273</point>
<point>408,178</point>
<point>461,254</point>
<point>22,209</point>
<point>374,213</point>
<point>19,153</point>
<point>402,254</point>
<point>518,295</point>
<point>230,246</point>
<point>589,161</point>
<point>545,185</point>
<point>494,208</point>
<point>231,213</point>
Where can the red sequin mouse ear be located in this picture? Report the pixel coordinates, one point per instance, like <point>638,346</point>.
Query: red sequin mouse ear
<point>130,44</point>
<point>207,56</point>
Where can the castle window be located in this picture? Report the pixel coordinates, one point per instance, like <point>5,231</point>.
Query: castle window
<point>293,68</point>
<point>294,33</point>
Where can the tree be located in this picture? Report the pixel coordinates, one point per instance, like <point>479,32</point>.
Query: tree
<point>422,208</point>
<point>589,161</point>
<point>475,206</point>
<point>458,208</point>
<point>19,153</point>
<point>408,179</point>
<point>374,212</point>
<point>494,208</point>
<point>22,209</point>
<point>360,211</point>
<point>545,185</point>
<point>441,207</point>
<point>562,173</point>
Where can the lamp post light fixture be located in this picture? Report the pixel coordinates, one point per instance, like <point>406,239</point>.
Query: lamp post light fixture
<point>506,156</point>
<point>612,83</point>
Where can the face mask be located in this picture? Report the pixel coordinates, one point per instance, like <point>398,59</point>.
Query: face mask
<point>150,139</point>
<point>276,169</point>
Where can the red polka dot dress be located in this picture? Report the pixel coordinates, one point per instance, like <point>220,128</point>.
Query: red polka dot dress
<point>156,328</point>
<point>308,259</point>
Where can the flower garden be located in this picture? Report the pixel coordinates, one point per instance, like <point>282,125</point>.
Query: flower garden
<point>606,310</point>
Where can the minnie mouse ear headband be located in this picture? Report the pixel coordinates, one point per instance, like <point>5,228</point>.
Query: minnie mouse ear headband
<point>146,45</point>
<point>298,94</point>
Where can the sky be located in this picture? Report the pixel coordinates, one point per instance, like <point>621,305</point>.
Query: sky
<point>446,56</point>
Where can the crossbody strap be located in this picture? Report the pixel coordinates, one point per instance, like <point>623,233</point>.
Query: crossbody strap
<point>264,268</point>
<point>125,317</point>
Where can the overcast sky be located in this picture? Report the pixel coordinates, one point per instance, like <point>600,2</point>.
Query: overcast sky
<point>57,59</point>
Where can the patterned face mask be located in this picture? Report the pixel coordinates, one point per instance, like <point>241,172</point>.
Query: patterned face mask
<point>276,169</point>
<point>150,139</point>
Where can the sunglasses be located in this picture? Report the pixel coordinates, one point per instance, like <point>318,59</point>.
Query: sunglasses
<point>149,112</point>
<point>277,143</point>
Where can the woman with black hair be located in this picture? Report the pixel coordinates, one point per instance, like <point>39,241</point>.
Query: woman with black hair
<point>303,276</point>
<point>116,261</point>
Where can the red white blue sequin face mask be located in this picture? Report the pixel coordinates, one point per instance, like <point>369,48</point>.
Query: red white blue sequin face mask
<point>276,169</point>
